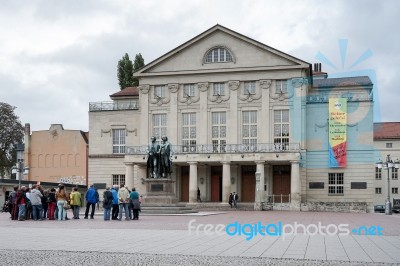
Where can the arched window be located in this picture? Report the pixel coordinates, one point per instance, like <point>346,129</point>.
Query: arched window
<point>218,54</point>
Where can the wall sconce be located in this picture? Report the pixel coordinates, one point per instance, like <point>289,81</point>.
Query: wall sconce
<point>144,157</point>
<point>208,156</point>
<point>142,180</point>
<point>277,155</point>
<point>242,155</point>
<point>176,157</point>
<point>232,180</point>
<point>201,180</point>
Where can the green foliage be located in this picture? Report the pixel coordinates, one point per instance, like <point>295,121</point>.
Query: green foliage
<point>137,64</point>
<point>125,72</point>
<point>11,133</point>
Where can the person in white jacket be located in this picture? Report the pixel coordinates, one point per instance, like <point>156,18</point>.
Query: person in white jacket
<point>36,200</point>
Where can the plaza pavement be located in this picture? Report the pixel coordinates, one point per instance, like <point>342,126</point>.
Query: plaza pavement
<point>165,240</point>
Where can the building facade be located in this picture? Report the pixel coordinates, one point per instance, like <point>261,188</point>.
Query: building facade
<point>56,155</point>
<point>241,117</point>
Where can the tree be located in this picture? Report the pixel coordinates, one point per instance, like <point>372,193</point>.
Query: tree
<point>125,72</point>
<point>137,64</point>
<point>11,133</point>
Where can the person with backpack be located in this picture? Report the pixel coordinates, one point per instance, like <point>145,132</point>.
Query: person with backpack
<point>14,207</point>
<point>92,197</point>
<point>107,203</point>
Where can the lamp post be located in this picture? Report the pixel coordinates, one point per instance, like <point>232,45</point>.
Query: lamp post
<point>19,169</point>
<point>388,165</point>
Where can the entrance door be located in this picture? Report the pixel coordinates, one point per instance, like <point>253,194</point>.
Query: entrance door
<point>216,184</point>
<point>185,183</point>
<point>281,183</point>
<point>248,183</point>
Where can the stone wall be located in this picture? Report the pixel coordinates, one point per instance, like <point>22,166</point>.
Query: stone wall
<point>358,207</point>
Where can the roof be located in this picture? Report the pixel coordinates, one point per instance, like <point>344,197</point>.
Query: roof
<point>342,82</point>
<point>128,91</point>
<point>387,130</point>
<point>228,31</point>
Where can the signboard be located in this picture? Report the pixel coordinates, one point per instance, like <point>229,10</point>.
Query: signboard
<point>337,132</point>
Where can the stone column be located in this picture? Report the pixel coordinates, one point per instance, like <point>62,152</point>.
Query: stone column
<point>193,182</point>
<point>226,180</point>
<point>260,197</point>
<point>295,185</point>
<point>129,170</point>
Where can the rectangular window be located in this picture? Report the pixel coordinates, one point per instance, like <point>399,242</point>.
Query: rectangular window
<point>389,145</point>
<point>159,126</point>
<point>249,128</point>
<point>189,132</point>
<point>118,141</point>
<point>395,190</point>
<point>188,90</point>
<point>378,173</point>
<point>281,86</point>
<point>219,89</point>
<point>218,128</point>
<point>335,186</point>
<point>281,129</point>
<point>159,92</point>
<point>395,173</point>
<point>378,190</point>
<point>118,179</point>
<point>249,87</point>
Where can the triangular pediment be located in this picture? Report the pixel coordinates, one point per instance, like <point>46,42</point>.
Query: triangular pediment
<point>247,53</point>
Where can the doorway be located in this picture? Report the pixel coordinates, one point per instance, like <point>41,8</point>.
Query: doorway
<point>248,183</point>
<point>216,184</point>
<point>281,183</point>
<point>184,184</point>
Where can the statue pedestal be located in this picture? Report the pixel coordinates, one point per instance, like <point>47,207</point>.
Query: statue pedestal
<point>159,192</point>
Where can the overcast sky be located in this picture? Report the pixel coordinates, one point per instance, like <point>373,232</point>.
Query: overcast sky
<point>57,56</point>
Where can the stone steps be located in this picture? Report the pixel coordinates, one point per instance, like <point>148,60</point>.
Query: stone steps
<point>166,209</point>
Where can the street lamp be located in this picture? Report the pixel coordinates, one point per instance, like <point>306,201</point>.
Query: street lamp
<point>388,165</point>
<point>19,168</point>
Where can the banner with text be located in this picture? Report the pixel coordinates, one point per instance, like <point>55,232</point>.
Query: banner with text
<point>337,132</point>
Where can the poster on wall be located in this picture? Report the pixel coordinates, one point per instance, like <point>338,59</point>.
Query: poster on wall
<point>337,132</point>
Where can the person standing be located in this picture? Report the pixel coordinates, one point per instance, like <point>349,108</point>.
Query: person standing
<point>135,203</point>
<point>36,200</point>
<point>51,202</point>
<point>62,198</point>
<point>13,199</point>
<point>92,197</point>
<point>123,201</point>
<point>115,206</point>
<point>21,201</point>
<point>76,202</point>
<point>235,199</point>
<point>107,203</point>
<point>230,199</point>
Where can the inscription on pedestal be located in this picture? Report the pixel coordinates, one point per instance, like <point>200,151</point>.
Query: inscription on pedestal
<point>157,187</point>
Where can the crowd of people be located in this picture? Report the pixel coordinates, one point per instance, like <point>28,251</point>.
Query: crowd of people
<point>25,203</point>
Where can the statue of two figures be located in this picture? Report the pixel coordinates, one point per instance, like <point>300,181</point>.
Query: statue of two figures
<point>159,160</point>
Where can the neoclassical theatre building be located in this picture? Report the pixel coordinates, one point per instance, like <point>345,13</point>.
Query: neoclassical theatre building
<point>241,116</point>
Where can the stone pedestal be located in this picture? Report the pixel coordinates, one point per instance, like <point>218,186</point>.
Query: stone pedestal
<point>159,192</point>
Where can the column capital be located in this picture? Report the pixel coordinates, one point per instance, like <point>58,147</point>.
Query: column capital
<point>295,161</point>
<point>129,163</point>
<point>193,162</point>
<point>259,161</point>
<point>226,162</point>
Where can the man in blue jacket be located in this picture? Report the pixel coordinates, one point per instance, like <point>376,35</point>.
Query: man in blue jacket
<point>92,197</point>
<point>115,206</point>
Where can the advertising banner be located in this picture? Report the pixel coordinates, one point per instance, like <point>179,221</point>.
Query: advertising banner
<point>337,132</point>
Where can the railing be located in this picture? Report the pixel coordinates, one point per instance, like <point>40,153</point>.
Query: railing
<point>278,198</point>
<point>226,148</point>
<point>111,106</point>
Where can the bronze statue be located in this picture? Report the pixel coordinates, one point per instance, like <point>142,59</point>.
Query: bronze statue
<point>152,160</point>
<point>165,158</point>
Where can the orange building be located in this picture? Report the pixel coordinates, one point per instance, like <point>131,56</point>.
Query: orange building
<point>56,155</point>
